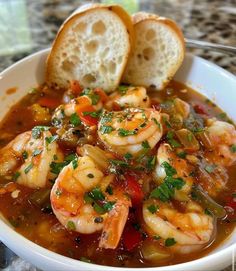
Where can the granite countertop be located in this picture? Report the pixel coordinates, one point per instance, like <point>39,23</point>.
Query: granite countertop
<point>27,26</point>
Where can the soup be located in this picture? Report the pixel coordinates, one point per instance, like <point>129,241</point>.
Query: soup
<point>144,176</point>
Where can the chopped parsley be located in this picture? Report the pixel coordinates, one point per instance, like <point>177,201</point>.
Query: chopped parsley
<point>123,132</point>
<point>92,114</point>
<point>75,120</point>
<point>36,152</point>
<point>71,226</point>
<point>208,212</point>
<point>145,145</point>
<point>25,155</point>
<point>170,242</point>
<point>16,175</point>
<point>166,190</point>
<point>233,148</point>
<point>182,154</point>
<point>152,208</point>
<point>170,171</point>
<point>106,129</point>
<point>123,89</point>
<point>51,139</point>
<point>209,168</point>
<point>96,194</point>
<point>157,123</point>
<point>116,162</point>
<point>89,92</point>
<point>58,192</point>
<point>109,190</point>
<point>128,156</point>
<point>36,131</point>
<point>57,167</point>
<point>171,140</point>
<point>151,161</point>
<point>28,168</point>
<point>74,163</point>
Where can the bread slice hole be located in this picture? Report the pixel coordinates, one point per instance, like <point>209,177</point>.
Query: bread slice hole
<point>99,28</point>
<point>88,79</point>
<point>91,47</point>
<point>80,27</point>
<point>67,65</point>
<point>151,34</point>
<point>112,66</point>
<point>103,69</point>
<point>148,53</point>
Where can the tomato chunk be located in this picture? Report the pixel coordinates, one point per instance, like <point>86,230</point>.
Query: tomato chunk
<point>134,189</point>
<point>49,102</point>
<point>131,237</point>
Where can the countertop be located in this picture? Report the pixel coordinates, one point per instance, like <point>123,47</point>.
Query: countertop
<point>27,26</point>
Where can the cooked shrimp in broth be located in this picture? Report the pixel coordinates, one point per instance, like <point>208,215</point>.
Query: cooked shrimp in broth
<point>132,178</point>
<point>80,205</point>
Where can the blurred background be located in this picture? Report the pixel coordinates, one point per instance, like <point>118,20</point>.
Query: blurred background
<point>28,26</point>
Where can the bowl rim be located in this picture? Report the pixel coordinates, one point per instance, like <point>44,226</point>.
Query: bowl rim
<point>8,233</point>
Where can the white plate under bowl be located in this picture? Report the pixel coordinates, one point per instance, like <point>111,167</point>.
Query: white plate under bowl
<point>203,76</point>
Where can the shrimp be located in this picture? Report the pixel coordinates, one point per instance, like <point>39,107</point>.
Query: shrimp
<point>191,228</point>
<point>81,104</point>
<point>125,131</point>
<point>129,97</point>
<point>76,199</point>
<point>222,136</point>
<point>30,156</point>
<point>182,167</point>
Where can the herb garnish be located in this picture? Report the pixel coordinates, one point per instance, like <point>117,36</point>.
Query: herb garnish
<point>75,120</point>
<point>28,168</point>
<point>36,131</point>
<point>106,129</point>
<point>123,132</point>
<point>152,208</point>
<point>166,190</point>
<point>170,242</point>
<point>171,140</point>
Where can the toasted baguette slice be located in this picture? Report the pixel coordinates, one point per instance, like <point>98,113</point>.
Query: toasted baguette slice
<point>92,46</point>
<point>158,51</point>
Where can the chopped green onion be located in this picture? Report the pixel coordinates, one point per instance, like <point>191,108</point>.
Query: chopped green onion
<point>106,129</point>
<point>152,208</point>
<point>170,242</point>
<point>71,226</point>
<point>122,132</point>
<point>28,168</point>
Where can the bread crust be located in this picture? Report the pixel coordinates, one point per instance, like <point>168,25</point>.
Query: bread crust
<point>83,10</point>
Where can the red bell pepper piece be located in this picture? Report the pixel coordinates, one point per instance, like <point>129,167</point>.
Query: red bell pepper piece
<point>133,188</point>
<point>200,109</point>
<point>49,102</point>
<point>131,237</point>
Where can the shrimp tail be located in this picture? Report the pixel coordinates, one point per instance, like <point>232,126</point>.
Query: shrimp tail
<point>114,225</point>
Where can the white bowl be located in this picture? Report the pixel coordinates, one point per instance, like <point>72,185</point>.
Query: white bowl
<point>210,80</point>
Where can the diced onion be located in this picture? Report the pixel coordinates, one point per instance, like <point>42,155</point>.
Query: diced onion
<point>153,252</point>
<point>188,139</point>
<point>97,154</point>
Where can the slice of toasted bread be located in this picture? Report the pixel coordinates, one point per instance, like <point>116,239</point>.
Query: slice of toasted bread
<point>158,51</point>
<point>92,46</point>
